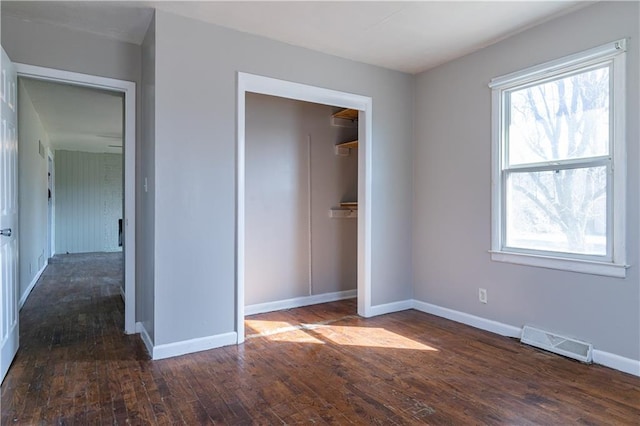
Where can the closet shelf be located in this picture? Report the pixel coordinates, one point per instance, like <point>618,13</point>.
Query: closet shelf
<point>350,144</point>
<point>347,210</point>
<point>346,114</point>
<point>344,149</point>
<point>349,204</point>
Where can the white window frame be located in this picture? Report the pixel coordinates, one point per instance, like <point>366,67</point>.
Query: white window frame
<point>614,263</point>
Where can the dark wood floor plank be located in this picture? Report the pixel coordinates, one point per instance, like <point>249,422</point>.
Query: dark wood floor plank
<point>320,364</point>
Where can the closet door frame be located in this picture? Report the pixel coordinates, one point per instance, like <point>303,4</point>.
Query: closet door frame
<point>251,83</point>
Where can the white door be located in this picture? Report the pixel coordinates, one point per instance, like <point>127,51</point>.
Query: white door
<point>8,215</point>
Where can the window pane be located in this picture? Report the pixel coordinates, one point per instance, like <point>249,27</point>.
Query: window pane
<point>560,211</point>
<point>561,119</point>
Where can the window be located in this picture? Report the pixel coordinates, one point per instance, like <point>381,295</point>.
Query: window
<point>559,164</point>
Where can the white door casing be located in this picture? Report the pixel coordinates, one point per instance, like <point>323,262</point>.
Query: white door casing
<point>290,90</point>
<point>127,88</point>
<point>8,215</point>
<point>50,207</point>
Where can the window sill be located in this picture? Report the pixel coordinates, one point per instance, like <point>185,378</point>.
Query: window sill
<point>564,264</point>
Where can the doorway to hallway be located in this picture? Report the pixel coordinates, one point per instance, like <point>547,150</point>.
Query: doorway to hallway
<point>127,146</point>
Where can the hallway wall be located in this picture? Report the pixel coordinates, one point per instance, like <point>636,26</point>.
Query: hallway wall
<point>89,196</point>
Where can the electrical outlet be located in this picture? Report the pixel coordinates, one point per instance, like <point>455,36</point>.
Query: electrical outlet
<point>482,295</point>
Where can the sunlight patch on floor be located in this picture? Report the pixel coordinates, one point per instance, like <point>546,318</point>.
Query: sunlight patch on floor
<point>296,336</point>
<point>369,337</point>
<point>266,328</point>
<point>279,331</point>
<point>324,332</point>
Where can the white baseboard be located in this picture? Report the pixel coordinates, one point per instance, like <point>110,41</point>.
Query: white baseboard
<point>617,362</point>
<point>607,359</point>
<point>298,302</point>
<point>185,347</point>
<point>33,283</point>
<point>472,320</point>
<point>169,350</point>
<point>388,308</point>
<point>146,339</point>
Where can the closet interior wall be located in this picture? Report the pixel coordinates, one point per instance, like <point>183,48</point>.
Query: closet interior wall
<point>293,178</point>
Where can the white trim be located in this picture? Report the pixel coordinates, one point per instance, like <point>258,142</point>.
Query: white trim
<point>496,168</point>
<point>286,89</point>
<point>298,302</point>
<point>573,265</point>
<point>146,339</point>
<point>184,347</point>
<point>389,308</point>
<point>69,77</point>
<point>365,191</point>
<point>607,359</point>
<point>468,319</point>
<point>169,350</point>
<point>33,283</point>
<point>52,234</point>
<point>614,265</point>
<point>580,59</point>
<point>128,88</point>
<point>619,236</point>
<point>240,208</point>
<point>302,92</point>
<point>310,215</point>
<point>617,362</point>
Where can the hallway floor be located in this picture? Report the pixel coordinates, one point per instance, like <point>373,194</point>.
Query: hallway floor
<point>319,364</point>
<point>70,337</point>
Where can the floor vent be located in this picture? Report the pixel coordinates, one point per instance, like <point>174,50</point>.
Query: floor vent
<point>558,344</point>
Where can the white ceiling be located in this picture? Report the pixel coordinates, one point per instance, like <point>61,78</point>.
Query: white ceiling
<point>78,118</point>
<point>405,36</point>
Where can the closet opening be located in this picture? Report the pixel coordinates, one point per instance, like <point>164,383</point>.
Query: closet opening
<point>303,198</point>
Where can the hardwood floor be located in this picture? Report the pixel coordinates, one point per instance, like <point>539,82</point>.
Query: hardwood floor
<point>320,364</point>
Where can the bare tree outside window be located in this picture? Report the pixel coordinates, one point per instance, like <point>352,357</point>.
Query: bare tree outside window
<point>557,164</point>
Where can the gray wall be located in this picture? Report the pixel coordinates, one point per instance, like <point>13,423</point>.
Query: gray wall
<point>46,45</point>
<point>88,189</point>
<point>145,208</point>
<point>195,144</point>
<point>452,169</point>
<point>290,186</point>
<point>32,191</point>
